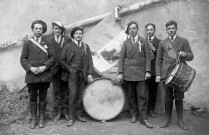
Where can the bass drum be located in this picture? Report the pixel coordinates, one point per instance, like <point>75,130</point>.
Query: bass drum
<point>102,100</point>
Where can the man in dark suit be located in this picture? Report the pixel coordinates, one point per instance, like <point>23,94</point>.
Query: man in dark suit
<point>166,57</point>
<point>151,84</point>
<point>57,40</point>
<point>77,63</point>
<point>134,68</point>
<point>37,58</point>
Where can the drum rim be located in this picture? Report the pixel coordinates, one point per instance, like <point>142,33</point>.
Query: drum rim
<point>119,110</point>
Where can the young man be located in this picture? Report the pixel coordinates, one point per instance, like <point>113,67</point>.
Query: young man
<point>37,58</point>
<point>134,68</point>
<point>76,60</point>
<point>167,54</point>
<point>58,40</point>
<point>152,85</point>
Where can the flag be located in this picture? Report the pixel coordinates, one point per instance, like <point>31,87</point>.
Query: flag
<point>105,40</point>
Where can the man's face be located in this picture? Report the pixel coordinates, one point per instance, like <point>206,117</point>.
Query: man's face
<point>57,30</point>
<point>171,30</point>
<point>133,30</point>
<point>150,31</point>
<point>38,30</point>
<point>78,35</point>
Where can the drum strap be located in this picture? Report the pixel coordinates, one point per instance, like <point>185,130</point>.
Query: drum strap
<point>171,51</point>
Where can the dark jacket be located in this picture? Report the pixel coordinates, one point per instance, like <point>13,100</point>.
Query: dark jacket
<point>33,56</point>
<point>164,62</point>
<point>57,49</point>
<point>134,63</point>
<point>155,43</point>
<point>66,58</point>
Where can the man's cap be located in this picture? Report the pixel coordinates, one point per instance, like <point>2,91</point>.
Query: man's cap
<point>128,25</point>
<point>76,29</point>
<point>59,24</point>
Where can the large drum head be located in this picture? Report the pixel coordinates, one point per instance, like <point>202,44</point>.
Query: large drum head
<point>173,73</point>
<point>102,100</point>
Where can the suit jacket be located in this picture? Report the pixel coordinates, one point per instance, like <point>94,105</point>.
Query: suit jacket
<point>57,49</point>
<point>33,56</point>
<point>164,63</point>
<point>155,43</point>
<point>66,58</point>
<point>134,63</point>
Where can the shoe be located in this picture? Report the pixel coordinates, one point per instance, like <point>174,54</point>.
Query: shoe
<point>146,124</point>
<point>182,125</point>
<point>152,114</point>
<point>133,119</point>
<point>70,123</point>
<point>65,114</point>
<point>81,119</point>
<point>166,124</point>
<point>168,113</point>
<point>57,118</point>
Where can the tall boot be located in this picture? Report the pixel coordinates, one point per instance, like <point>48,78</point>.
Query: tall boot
<point>168,114</point>
<point>42,107</point>
<point>33,111</point>
<point>179,110</point>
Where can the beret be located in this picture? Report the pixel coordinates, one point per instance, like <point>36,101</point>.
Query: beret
<point>128,25</point>
<point>75,29</point>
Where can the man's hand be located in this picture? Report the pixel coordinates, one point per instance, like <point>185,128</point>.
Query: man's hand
<point>158,78</point>
<point>90,78</point>
<point>147,75</point>
<point>41,69</point>
<point>182,53</point>
<point>119,78</point>
<point>34,70</point>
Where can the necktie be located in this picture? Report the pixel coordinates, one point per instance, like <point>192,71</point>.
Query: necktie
<point>37,39</point>
<point>150,40</point>
<point>57,39</point>
<point>133,40</point>
<point>172,38</point>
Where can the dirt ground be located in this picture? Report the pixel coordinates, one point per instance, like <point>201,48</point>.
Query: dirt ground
<point>117,126</point>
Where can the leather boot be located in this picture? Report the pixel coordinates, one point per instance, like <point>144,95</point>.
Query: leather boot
<point>42,107</point>
<point>146,123</point>
<point>80,118</point>
<point>179,110</point>
<point>33,111</point>
<point>71,119</point>
<point>65,113</point>
<point>58,116</point>
<point>168,113</point>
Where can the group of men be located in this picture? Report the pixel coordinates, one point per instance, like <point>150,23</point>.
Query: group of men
<point>64,61</point>
<point>67,63</point>
<point>143,63</point>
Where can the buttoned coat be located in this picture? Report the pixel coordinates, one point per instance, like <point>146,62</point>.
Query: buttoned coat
<point>134,63</point>
<point>33,56</point>
<point>164,63</point>
<point>57,47</point>
<point>66,58</point>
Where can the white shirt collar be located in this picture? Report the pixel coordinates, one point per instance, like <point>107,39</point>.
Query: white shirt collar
<point>174,37</point>
<point>59,37</point>
<point>135,38</point>
<point>76,42</point>
<point>39,39</point>
<point>152,37</point>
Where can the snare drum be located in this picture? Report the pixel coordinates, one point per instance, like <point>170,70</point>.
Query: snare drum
<point>102,100</point>
<point>181,77</point>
